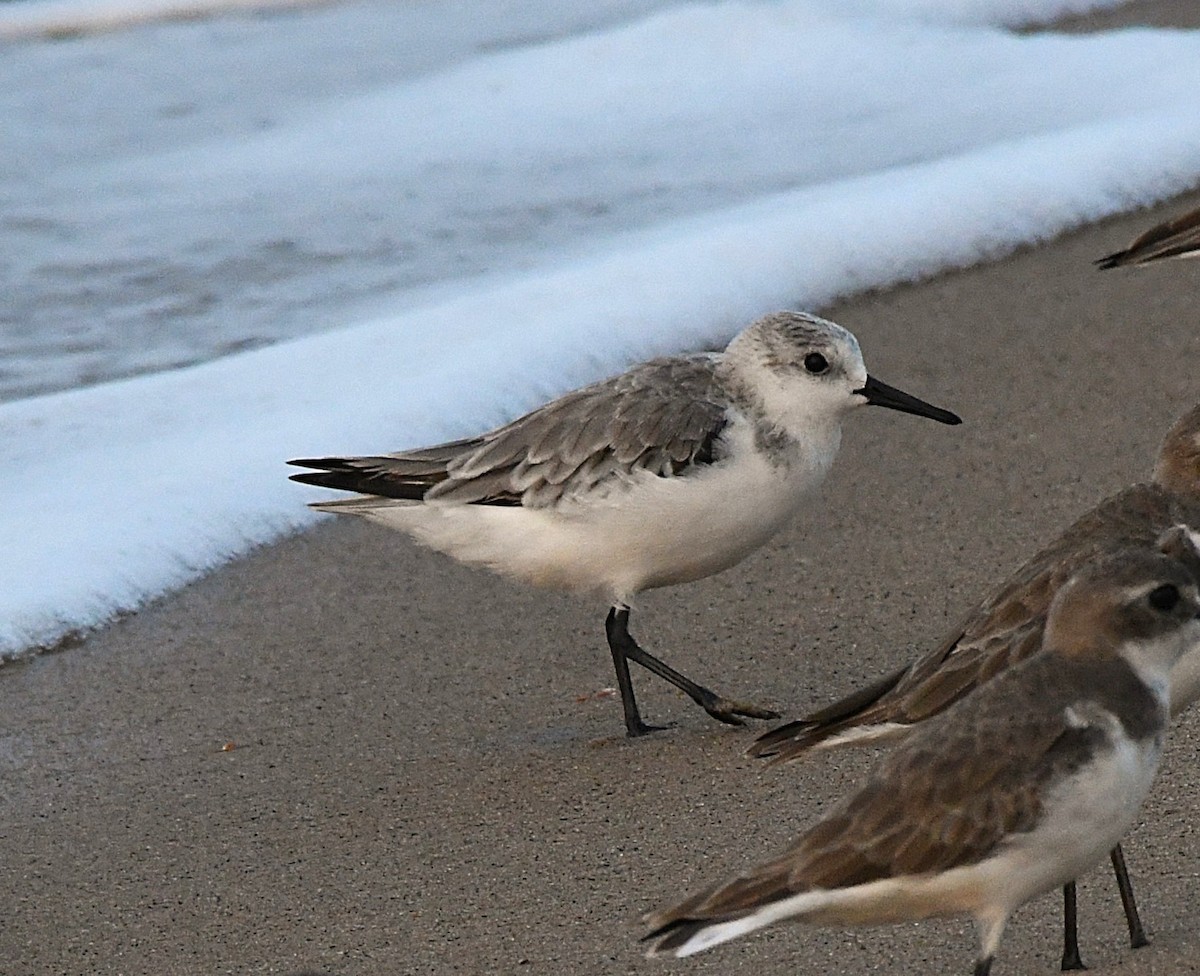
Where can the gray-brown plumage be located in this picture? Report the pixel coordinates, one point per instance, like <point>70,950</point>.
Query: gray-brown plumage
<point>659,417</point>
<point>1009,793</point>
<point>954,790</point>
<point>1007,628</point>
<point>1176,238</point>
<point>672,471</point>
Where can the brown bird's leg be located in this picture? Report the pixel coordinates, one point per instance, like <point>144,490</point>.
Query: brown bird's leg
<point>983,967</point>
<point>1137,934</point>
<point>1070,957</point>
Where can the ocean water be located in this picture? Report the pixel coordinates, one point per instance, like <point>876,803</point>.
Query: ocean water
<point>112,267</point>
<point>177,191</point>
<point>228,241</point>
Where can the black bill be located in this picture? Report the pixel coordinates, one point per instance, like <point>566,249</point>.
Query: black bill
<point>881,395</point>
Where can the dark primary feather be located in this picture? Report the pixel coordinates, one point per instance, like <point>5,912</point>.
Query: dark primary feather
<point>831,717</point>
<point>1175,238</point>
<point>946,797</point>
<point>998,633</point>
<point>366,475</point>
<point>674,934</point>
<point>663,417</point>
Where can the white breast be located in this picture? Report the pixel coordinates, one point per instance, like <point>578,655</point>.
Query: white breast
<point>1086,814</point>
<point>646,532</point>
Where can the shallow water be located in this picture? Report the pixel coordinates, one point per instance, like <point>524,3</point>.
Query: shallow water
<point>104,275</point>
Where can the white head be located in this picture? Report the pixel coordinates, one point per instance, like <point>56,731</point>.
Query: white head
<point>801,367</point>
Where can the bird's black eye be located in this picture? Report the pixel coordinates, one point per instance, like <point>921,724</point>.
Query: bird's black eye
<point>1164,597</point>
<point>814,362</point>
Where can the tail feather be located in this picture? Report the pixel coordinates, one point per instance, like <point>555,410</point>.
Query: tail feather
<point>688,936</point>
<point>368,476</point>
<point>1114,260</point>
<point>407,477</point>
<point>669,939</point>
<point>1177,238</point>
<point>800,732</point>
<point>793,740</point>
<point>718,914</point>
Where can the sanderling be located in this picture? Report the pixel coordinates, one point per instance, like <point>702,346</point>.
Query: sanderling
<point>1007,628</point>
<point>1015,790</point>
<point>667,473</point>
<point>1177,238</point>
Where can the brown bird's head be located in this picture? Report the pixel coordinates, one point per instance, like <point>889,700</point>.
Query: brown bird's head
<point>1137,603</point>
<point>1178,467</point>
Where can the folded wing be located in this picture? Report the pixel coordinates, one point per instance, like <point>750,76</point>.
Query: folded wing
<point>661,417</point>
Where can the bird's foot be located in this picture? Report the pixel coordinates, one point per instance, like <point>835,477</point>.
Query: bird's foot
<point>1072,961</point>
<point>728,710</point>
<point>637,727</point>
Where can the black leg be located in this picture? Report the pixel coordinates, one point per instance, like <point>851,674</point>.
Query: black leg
<point>1070,958</point>
<point>624,649</point>
<point>616,627</point>
<point>983,967</point>
<point>1137,934</point>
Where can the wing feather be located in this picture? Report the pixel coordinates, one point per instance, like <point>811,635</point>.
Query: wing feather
<point>660,417</point>
<point>948,796</point>
<point>1000,632</point>
<point>1176,238</point>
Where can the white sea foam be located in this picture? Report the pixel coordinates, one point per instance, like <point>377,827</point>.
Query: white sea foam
<point>834,153</point>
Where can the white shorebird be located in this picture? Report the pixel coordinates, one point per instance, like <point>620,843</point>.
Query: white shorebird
<point>667,473</point>
<point>1017,789</point>
<point>1007,628</point>
<point>1176,238</point>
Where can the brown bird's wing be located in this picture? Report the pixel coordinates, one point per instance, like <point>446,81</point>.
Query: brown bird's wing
<point>1177,238</point>
<point>660,417</point>
<point>946,797</point>
<point>1001,631</point>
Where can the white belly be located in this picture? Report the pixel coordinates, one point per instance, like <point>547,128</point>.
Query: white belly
<point>648,533</point>
<point>1084,818</point>
<point>1185,681</point>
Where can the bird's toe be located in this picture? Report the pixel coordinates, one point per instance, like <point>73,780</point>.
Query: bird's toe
<point>731,712</point>
<point>639,728</point>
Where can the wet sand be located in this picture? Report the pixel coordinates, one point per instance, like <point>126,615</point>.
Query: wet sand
<point>345,755</point>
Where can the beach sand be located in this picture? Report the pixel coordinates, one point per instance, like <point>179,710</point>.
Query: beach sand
<point>345,755</point>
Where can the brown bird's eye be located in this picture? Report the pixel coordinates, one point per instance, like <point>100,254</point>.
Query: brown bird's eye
<point>1164,597</point>
<point>814,362</point>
